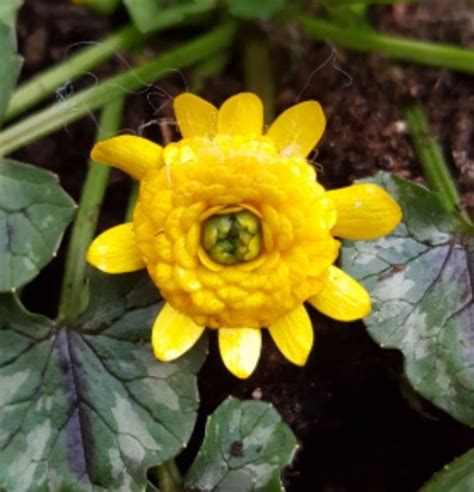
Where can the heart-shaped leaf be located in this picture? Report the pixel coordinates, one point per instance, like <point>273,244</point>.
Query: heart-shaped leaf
<point>34,212</point>
<point>420,280</point>
<point>88,407</point>
<point>245,449</point>
<point>458,476</point>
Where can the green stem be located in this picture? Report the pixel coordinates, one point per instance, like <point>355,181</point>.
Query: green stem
<point>169,477</point>
<point>258,73</point>
<point>104,7</point>
<point>435,54</point>
<point>207,68</point>
<point>371,2</point>
<point>132,200</point>
<point>430,154</point>
<point>86,220</point>
<point>44,122</point>
<point>44,84</point>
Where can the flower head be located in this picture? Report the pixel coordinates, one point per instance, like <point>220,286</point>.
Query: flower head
<point>236,232</point>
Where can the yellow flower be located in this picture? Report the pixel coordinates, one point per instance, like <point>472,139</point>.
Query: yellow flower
<point>236,232</point>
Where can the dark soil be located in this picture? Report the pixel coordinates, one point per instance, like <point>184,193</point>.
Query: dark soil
<point>360,426</point>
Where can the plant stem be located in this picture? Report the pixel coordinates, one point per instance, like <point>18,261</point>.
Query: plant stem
<point>104,7</point>
<point>86,220</point>
<point>169,477</point>
<point>207,68</point>
<point>44,84</point>
<point>132,200</point>
<point>44,122</point>
<point>431,158</point>
<point>435,54</point>
<point>371,2</point>
<point>258,74</point>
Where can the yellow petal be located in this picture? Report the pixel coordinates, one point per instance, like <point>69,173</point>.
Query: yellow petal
<point>196,117</point>
<point>364,211</point>
<point>240,349</point>
<point>115,250</point>
<point>133,155</point>
<point>298,129</point>
<point>342,297</point>
<point>293,335</point>
<point>241,114</point>
<point>173,334</point>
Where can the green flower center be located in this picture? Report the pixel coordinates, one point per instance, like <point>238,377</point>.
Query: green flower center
<point>232,238</point>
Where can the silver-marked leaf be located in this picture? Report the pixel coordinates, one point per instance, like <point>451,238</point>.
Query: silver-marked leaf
<point>420,280</point>
<point>34,212</point>
<point>88,407</point>
<point>458,476</point>
<point>10,64</point>
<point>245,449</point>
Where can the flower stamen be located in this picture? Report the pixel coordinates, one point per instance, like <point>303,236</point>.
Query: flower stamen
<point>232,238</point>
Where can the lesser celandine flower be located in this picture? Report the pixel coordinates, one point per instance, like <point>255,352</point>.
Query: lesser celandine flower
<point>236,232</point>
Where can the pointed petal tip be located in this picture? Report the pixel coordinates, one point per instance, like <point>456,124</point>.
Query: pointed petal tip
<point>241,114</point>
<point>240,350</point>
<point>342,298</point>
<point>195,116</point>
<point>298,129</point>
<point>364,211</point>
<point>133,155</point>
<point>173,334</point>
<point>115,251</point>
<point>294,336</point>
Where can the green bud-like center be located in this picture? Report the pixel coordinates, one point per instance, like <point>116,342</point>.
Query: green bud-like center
<point>233,237</point>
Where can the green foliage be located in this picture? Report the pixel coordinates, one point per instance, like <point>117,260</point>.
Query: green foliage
<point>420,280</point>
<point>149,15</point>
<point>10,65</point>
<point>251,9</point>
<point>34,212</point>
<point>8,10</point>
<point>87,406</point>
<point>458,476</point>
<point>245,449</point>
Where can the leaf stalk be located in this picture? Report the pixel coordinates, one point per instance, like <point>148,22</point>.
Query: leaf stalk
<point>46,83</point>
<point>93,191</point>
<point>47,121</point>
<point>411,50</point>
<point>432,160</point>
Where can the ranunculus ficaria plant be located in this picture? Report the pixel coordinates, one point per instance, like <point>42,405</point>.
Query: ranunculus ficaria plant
<point>236,232</point>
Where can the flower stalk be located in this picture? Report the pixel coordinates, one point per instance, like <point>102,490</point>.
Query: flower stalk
<point>258,74</point>
<point>411,50</point>
<point>430,154</point>
<point>47,121</point>
<point>169,477</point>
<point>46,83</point>
<point>72,292</point>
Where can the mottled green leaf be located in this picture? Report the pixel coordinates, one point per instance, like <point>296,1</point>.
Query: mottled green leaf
<point>149,15</point>
<point>421,282</point>
<point>245,449</point>
<point>34,212</point>
<point>88,407</point>
<point>250,9</point>
<point>458,476</point>
<point>10,64</point>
